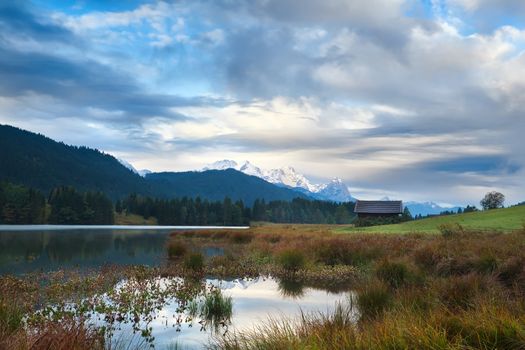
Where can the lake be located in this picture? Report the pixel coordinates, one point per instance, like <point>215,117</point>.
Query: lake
<point>29,248</point>
<point>26,249</point>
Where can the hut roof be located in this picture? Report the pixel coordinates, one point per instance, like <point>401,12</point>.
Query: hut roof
<point>379,207</point>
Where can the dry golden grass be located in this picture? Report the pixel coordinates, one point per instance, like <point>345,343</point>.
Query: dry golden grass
<point>464,290</point>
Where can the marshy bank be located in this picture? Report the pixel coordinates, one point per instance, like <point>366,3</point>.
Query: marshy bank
<point>459,289</point>
<point>456,290</point>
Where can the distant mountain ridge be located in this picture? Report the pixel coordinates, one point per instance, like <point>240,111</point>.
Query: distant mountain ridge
<point>39,162</point>
<point>425,208</point>
<point>428,208</point>
<point>335,190</point>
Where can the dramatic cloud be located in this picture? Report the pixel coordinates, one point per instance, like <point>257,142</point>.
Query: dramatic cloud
<point>413,99</point>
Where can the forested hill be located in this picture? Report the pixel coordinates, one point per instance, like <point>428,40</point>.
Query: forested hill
<point>39,162</point>
<point>217,184</point>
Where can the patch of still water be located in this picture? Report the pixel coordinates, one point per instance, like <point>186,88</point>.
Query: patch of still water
<point>255,301</point>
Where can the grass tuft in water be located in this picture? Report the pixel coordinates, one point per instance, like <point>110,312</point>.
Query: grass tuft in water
<point>194,261</point>
<point>177,250</point>
<point>373,299</point>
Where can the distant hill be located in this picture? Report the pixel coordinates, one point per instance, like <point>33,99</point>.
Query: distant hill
<point>506,219</point>
<point>37,161</point>
<point>216,184</point>
<point>427,208</point>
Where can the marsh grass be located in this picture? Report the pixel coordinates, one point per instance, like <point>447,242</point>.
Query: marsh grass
<point>194,261</point>
<point>291,260</point>
<point>394,274</point>
<point>216,307</point>
<point>213,308</point>
<point>177,249</point>
<point>458,290</point>
<point>372,300</point>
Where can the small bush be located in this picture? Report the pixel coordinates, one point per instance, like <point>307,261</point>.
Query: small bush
<point>194,261</point>
<point>450,230</point>
<point>392,273</point>
<point>176,250</point>
<point>291,260</point>
<point>373,300</point>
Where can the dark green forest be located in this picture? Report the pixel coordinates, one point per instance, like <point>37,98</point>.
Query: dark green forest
<point>189,211</point>
<point>66,205</point>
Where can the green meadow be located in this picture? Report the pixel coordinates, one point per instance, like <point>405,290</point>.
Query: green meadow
<point>507,219</point>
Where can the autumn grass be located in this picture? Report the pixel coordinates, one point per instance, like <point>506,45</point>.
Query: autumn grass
<point>462,289</point>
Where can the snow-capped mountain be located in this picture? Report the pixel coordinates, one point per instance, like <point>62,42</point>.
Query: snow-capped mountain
<point>128,165</point>
<point>335,190</point>
<point>222,165</point>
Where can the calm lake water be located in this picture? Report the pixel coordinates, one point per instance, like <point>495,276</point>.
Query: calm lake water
<point>29,248</point>
<point>48,248</point>
<point>255,302</point>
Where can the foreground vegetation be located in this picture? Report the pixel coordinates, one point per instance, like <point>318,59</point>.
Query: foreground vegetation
<point>507,219</point>
<point>460,289</point>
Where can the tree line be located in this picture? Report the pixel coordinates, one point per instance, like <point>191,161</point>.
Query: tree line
<point>64,205</point>
<point>197,211</point>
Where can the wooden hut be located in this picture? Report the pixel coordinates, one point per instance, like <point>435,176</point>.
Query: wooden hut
<point>365,209</point>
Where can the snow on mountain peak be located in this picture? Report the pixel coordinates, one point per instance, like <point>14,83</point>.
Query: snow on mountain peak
<point>250,169</point>
<point>221,165</point>
<point>287,176</point>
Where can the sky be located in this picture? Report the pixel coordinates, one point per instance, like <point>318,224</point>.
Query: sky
<point>412,99</point>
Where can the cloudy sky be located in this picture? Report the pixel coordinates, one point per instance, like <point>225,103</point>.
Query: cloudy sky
<point>415,99</point>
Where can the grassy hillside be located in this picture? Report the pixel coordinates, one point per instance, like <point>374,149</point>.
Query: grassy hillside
<point>507,219</point>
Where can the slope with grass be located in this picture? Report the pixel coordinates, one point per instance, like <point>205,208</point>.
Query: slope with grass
<point>506,219</point>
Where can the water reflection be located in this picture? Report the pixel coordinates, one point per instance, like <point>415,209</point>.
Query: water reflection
<point>27,251</point>
<point>254,301</point>
<point>291,288</point>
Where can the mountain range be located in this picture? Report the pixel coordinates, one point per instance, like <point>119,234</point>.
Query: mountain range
<point>37,161</point>
<point>335,190</point>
